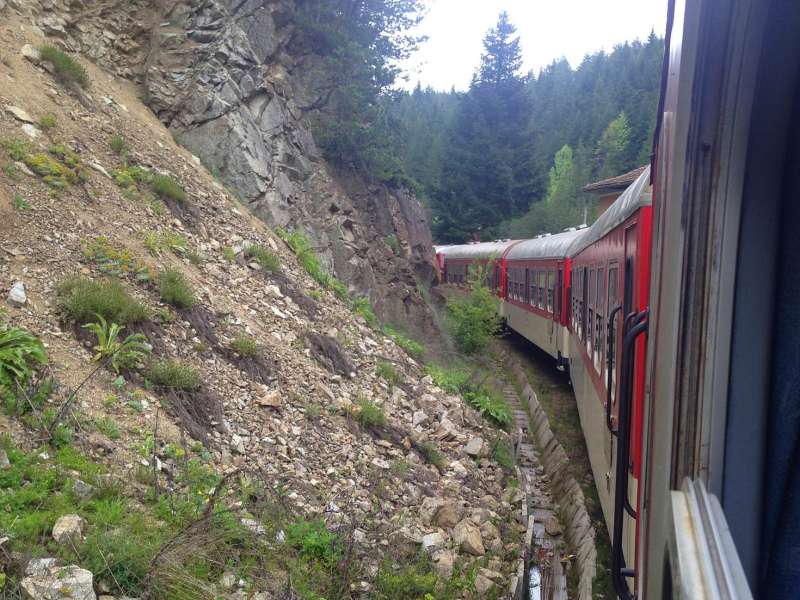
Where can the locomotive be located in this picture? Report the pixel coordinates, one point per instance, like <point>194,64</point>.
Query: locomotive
<point>676,314</point>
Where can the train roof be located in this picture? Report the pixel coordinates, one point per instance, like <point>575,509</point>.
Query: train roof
<point>637,195</point>
<point>477,250</point>
<point>546,246</point>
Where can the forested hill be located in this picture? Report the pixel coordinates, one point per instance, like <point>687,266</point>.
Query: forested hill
<point>508,157</point>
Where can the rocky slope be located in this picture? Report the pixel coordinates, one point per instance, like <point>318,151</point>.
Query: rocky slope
<point>286,426</point>
<point>231,82</point>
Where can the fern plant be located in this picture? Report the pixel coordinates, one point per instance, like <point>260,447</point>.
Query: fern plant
<point>119,353</point>
<point>20,351</point>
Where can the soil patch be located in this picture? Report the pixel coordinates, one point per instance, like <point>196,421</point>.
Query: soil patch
<point>198,412</point>
<point>327,351</point>
<point>204,323</point>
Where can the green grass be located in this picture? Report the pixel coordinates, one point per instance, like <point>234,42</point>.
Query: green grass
<point>229,254</point>
<point>412,347</point>
<point>47,122</point>
<point>432,455</point>
<point>119,145</point>
<point>175,289</point>
<point>502,455</point>
<point>167,188</point>
<point>174,375</point>
<point>20,203</point>
<point>245,346</point>
<point>388,372</point>
<point>266,259</point>
<point>452,380</point>
<point>67,69</point>
<point>361,306</point>
<point>81,299</point>
<point>370,414</point>
<point>108,427</point>
<point>299,243</point>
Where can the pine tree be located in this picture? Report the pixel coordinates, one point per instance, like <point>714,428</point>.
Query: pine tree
<point>612,148</point>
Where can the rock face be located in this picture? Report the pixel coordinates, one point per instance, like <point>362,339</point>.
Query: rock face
<point>234,83</point>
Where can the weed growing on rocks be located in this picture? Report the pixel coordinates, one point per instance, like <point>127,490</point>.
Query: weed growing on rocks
<point>264,258</point>
<point>174,375</point>
<point>67,69</point>
<point>361,306</point>
<point>81,300</point>
<point>412,347</point>
<point>175,289</point>
<point>47,122</point>
<point>120,353</point>
<point>245,346</point>
<point>119,145</point>
<point>370,415</point>
<point>432,455</point>
<point>20,203</point>
<point>388,372</point>
<point>166,187</point>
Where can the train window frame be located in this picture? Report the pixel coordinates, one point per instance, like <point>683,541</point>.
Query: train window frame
<point>532,287</point>
<point>542,287</point>
<point>590,312</point>
<point>551,281</point>
<point>611,304</point>
<point>598,315</point>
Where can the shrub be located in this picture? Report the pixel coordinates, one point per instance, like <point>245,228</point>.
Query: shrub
<point>267,260</point>
<point>83,299</point>
<point>245,346</point>
<point>174,375</point>
<point>47,122</point>
<point>67,69</point>
<point>314,542</point>
<point>17,149</point>
<point>370,414</point>
<point>387,371</point>
<point>20,351</point>
<point>491,404</point>
<point>394,244</point>
<point>128,177</point>
<point>121,354</point>
<point>119,145</point>
<point>175,290</point>
<point>114,259</point>
<point>412,347</point>
<point>168,189</point>
<point>473,320</point>
<point>452,380</point>
<point>156,243</point>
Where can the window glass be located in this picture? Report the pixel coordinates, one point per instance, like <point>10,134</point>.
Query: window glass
<point>551,281</point>
<point>598,328</point>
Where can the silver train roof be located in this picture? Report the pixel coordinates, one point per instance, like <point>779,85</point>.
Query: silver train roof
<point>477,250</point>
<point>546,246</point>
<point>637,195</point>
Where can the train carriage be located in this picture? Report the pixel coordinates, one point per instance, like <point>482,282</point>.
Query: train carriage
<point>455,262</point>
<point>537,285</point>
<point>610,266</point>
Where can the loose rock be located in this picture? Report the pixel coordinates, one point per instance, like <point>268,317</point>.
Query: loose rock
<point>68,528</point>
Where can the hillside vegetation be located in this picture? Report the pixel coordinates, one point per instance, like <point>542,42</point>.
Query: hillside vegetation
<point>193,405</point>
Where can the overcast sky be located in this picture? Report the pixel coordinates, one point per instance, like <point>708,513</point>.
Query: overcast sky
<point>548,29</point>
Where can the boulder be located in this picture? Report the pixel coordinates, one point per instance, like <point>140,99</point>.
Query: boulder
<point>17,296</point>
<point>467,535</point>
<point>59,583</point>
<point>4,462</point>
<point>20,114</point>
<point>483,585</point>
<point>272,399</point>
<point>476,447</point>
<point>443,563</point>
<point>552,526</point>
<point>433,541</point>
<point>31,53</point>
<point>82,490</point>
<point>448,515</point>
<point>68,528</point>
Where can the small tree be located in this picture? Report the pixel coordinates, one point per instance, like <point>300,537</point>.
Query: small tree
<point>473,319</point>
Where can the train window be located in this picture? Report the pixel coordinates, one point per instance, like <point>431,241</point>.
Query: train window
<point>590,318</point>
<point>532,288</point>
<point>598,329</point>
<point>551,281</point>
<point>542,288</point>
<point>613,300</point>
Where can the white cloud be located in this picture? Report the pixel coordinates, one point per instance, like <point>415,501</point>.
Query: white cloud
<point>548,29</point>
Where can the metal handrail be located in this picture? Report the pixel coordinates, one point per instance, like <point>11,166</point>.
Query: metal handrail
<point>618,569</point>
